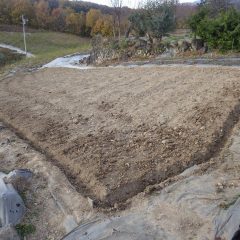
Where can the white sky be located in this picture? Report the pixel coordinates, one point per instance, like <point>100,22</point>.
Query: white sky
<point>130,3</point>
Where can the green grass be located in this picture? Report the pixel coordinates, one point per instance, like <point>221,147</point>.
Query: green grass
<point>7,56</point>
<point>46,46</point>
<point>174,37</point>
<point>25,229</point>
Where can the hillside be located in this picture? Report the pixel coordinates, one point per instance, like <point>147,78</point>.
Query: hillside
<point>45,45</point>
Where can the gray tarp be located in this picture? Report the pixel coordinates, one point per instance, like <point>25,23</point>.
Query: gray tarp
<point>12,207</point>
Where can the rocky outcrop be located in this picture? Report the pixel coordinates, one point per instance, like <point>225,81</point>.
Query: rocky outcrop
<point>184,46</point>
<point>104,50</point>
<point>197,44</point>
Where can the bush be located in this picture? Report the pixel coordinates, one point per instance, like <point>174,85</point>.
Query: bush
<point>25,230</point>
<point>222,32</point>
<point>123,44</point>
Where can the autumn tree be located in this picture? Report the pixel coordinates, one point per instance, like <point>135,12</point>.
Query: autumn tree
<point>65,15</point>
<point>103,26</point>
<point>58,19</point>
<point>75,23</point>
<point>108,25</point>
<point>5,10</point>
<point>42,13</point>
<point>92,16</point>
<point>22,7</point>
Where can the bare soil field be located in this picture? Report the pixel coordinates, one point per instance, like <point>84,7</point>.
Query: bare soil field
<point>114,131</point>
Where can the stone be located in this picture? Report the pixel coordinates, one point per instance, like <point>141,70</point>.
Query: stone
<point>204,49</point>
<point>83,60</point>
<point>184,46</point>
<point>91,202</point>
<point>19,178</point>
<point>197,44</point>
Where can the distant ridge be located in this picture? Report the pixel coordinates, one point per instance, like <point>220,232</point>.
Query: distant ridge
<point>82,6</point>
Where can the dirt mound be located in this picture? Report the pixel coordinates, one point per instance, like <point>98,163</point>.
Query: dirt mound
<point>114,131</point>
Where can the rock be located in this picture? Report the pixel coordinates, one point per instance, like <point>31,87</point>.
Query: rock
<point>129,54</point>
<point>131,42</point>
<point>75,121</point>
<point>83,60</point>
<point>171,52</point>
<point>197,44</point>
<point>184,46</point>
<point>219,187</point>
<point>204,49</point>
<point>164,141</point>
<point>8,233</point>
<point>15,175</point>
<point>143,42</point>
<point>91,202</point>
<point>19,178</point>
<point>156,41</point>
<point>173,44</point>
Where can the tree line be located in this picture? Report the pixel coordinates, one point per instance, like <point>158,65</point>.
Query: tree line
<point>80,18</point>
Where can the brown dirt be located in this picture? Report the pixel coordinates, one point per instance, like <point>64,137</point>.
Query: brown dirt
<point>114,131</point>
<point>47,205</point>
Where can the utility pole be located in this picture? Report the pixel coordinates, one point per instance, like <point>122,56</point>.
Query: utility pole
<point>24,21</point>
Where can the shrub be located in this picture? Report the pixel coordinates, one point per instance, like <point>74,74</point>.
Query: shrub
<point>25,230</point>
<point>222,32</point>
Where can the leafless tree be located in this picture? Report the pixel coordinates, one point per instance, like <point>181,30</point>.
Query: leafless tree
<point>117,5</point>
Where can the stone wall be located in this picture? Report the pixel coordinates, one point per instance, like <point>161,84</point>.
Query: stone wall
<point>105,50</point>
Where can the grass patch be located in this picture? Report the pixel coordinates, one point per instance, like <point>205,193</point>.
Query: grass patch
<point>7,56</point>
<point>45,45</point>
<point>24,230</point>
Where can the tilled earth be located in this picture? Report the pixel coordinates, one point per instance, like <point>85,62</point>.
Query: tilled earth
<point>114,131</point>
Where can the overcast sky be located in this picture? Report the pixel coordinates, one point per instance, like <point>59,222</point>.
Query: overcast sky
<point>130,3</point>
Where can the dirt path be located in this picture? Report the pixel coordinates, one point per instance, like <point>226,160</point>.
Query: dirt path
<point>114,131</point>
